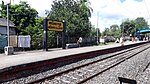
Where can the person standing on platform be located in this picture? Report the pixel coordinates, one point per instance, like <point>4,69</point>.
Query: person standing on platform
<point>79,41</point>
<point>121,41</point>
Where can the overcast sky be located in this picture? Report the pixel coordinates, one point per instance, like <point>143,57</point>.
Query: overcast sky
<point>108,12</point>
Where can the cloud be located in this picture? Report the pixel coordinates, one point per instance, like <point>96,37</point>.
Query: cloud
<point>39,5</point>
<point>112,16</point>
<point>139,0</point>
<point>115,11</point>
<point>109,11</point>
<point>106,12</point>
<point>122,1</point>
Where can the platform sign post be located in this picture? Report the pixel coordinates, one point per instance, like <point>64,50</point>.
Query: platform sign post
<point>64,36</point>
<point>45,35</point>
<point>55,25</point>
<point>51,25</point>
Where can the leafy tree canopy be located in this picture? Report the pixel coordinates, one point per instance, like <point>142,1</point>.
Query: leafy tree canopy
<point>140,23</point>
<point>131,26</point>
<point>22,15</point>
<point>113,31</point>
<point>76,13</point>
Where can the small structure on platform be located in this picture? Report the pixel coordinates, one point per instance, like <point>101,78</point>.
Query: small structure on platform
<point>143,31</point>
<point>9,50</point>
<point>141,34</point>
<point>3,27</point>
<point>72,45</point>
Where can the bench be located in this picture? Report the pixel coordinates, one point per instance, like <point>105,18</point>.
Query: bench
<point>72,45</point>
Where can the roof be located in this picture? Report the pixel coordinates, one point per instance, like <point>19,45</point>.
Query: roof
<point>3,22</point>
<point>146,30</point>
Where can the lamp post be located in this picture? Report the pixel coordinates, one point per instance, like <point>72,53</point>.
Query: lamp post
<point>97,29</point>
<point>135,30</point>
<point>122,38</point>
<point>8,26</point>
<point>123,30</point>
<point>8,49</point>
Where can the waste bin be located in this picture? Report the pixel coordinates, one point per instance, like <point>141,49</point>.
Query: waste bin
<point>9,50</point>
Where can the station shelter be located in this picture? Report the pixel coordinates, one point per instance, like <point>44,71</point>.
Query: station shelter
<point>142,34</point>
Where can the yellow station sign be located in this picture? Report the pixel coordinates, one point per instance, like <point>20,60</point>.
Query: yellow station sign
<point>55,25</point>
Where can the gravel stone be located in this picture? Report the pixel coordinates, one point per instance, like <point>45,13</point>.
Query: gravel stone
<point>131,68</point>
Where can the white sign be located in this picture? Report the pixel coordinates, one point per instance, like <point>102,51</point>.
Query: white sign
<point>24,41</point>
<point>102,40</point>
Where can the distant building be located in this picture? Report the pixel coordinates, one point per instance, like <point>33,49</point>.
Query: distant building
<point>3,27</point>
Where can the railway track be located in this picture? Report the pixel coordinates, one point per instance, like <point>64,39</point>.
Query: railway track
<point>83,73</point>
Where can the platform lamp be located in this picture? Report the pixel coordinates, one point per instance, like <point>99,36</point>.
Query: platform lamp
<point>8,49</point>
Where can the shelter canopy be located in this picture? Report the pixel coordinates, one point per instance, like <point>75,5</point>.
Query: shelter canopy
<point>142,31</point>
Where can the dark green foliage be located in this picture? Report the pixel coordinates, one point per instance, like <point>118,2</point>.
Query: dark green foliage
<point>21,14</point>
<point>113,31</point>
<point>25,19</point>
<point>75,13</point>
<point>127,28</point>
<point>36,32</point>
<point>131,26</point>
<point>140,23</point>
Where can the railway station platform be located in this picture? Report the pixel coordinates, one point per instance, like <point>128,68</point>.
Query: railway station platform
<point>26,57</point>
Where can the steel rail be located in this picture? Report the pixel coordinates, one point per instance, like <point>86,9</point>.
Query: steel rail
<point>66,71</point>
<point>83,81</point>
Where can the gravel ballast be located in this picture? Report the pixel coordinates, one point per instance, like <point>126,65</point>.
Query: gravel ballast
<point>133,68</point>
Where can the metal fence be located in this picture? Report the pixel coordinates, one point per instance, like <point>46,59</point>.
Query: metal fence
<point>37,42</point>
<point>54,42</point>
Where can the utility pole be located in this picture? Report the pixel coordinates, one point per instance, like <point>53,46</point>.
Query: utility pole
<point>123,29</point>
<point>97,28</point>
<point>135,30</point>
<point>8,25</point>
<point>9,50</point>
<point>122,38</point>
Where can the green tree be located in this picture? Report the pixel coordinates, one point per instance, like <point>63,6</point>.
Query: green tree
<point>131,26</point>
<point>127,27</point>
<point>115,30</point>
<point>75,13</point>
<point>36,32</point>
<point>140,23</point>
<point>106,32</point>
<point>22,15</point>
<point>37,28</point>
<point>93,31</point>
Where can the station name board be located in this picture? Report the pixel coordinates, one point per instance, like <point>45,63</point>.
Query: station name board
<point>55,25</point>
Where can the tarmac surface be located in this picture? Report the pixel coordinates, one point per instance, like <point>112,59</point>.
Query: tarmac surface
<point>39,55</point>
